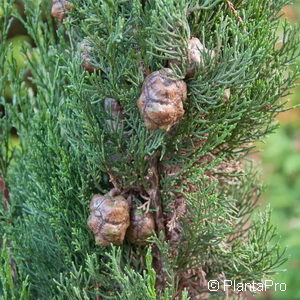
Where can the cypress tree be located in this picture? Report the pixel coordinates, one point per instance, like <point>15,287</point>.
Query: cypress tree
<point>150,107</point>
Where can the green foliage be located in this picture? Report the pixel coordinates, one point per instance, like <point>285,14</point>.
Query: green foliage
<point>68,151</point>
<point>132,284</point>
<point>8,288</point>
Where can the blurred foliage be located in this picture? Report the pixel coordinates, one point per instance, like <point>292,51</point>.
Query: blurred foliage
<point>281,164</point>
<point>281,158</point>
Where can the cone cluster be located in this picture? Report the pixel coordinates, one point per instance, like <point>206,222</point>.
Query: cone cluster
<point>112,219</point>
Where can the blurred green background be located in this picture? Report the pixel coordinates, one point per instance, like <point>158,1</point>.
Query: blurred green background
<point>278,157</point>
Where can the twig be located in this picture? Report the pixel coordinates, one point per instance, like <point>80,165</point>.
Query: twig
<point>113,180</point>
<point>146,206</point>
<point>234,11</point>
<point>98,297</point>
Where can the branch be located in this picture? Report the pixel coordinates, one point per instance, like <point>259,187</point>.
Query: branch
<point>156,205</point>
<point>154,195</point>
<point>5,192</point>
<point>6,204</point>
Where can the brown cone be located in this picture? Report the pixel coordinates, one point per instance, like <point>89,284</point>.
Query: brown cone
<point>141,227</point>
<point>161,101</point>
<point>109,219</point>
<point>85,52</point>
